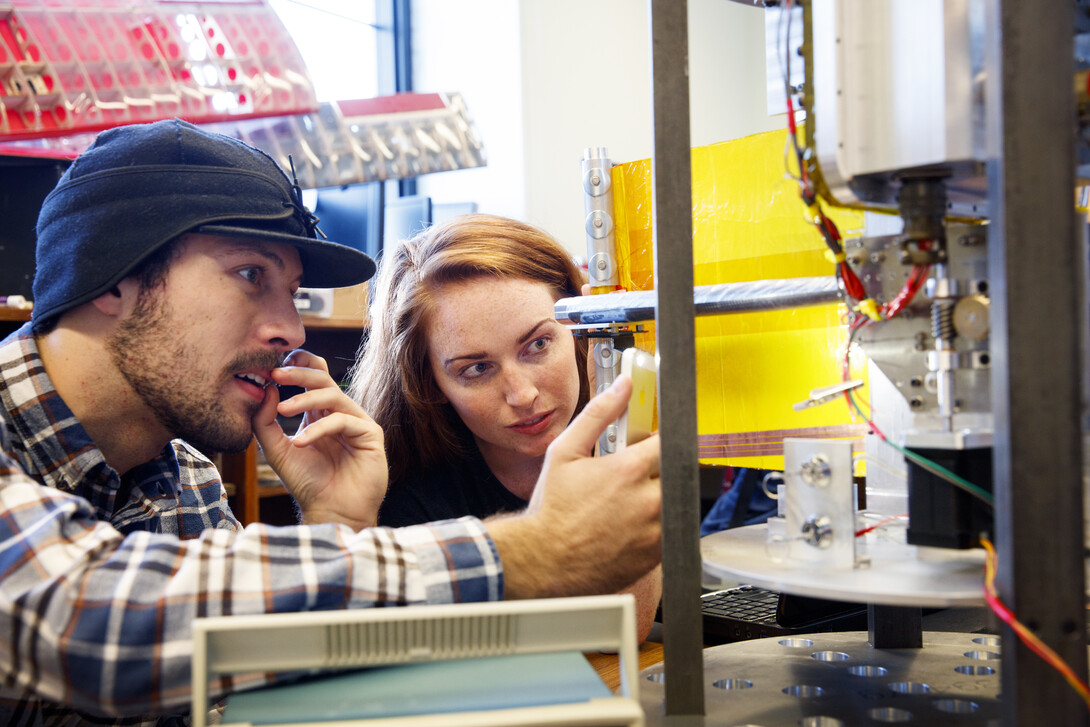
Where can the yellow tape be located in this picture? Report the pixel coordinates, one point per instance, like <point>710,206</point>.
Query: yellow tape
<point>751,367</point>
<point>869,308</point>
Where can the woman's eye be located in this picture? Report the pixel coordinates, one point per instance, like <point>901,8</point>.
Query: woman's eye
<point>475,371</point>
<point>539,345</point>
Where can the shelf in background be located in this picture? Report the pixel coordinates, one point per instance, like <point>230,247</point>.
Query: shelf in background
<point>19,315</point>
<point>316,323</point>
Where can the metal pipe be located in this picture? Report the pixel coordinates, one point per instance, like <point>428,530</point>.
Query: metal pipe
<point>757,295</point>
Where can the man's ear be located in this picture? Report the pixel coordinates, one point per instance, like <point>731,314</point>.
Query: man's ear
<point>112,302</point>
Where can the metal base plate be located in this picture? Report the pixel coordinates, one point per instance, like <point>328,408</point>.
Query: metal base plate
<point>839,680</point>
<point>897,575</point>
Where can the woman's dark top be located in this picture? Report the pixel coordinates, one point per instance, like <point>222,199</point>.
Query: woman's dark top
<point>454,489</point>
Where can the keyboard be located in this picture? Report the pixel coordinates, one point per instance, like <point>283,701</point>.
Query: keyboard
<point>749,612</point>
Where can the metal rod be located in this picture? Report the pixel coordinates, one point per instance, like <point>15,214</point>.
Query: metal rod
<point>1033,277</point>
<point>757,295</point>
<point>671,212</point>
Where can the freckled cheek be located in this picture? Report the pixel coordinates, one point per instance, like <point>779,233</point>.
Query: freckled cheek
<point>475,408</point>
<point>564,378</point>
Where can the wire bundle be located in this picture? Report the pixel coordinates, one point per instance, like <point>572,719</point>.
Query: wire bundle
<point>1027,637</point>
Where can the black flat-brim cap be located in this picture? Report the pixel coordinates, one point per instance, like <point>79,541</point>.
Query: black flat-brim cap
<point>139,187</point>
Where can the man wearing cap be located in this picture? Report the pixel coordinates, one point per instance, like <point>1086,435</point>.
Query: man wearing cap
<point>167,262</point>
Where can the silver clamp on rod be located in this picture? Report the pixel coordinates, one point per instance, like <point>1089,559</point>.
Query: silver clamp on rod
<point>598,208</point>
<point>601,268</point>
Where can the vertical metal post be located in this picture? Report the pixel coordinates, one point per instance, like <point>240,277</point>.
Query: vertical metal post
<point>1033,278</point>
<point>671,205</point>
<point>894,627</point>
<point>601,269</point>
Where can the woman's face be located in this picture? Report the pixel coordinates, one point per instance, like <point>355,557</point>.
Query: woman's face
<point>504,364</point>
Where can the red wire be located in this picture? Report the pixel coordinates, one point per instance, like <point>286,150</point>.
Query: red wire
<point>879,524</point>
<point>852,284</point>
<point>912,286</point>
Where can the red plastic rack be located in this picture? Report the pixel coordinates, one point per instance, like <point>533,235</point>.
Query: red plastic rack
<point>73,66</point>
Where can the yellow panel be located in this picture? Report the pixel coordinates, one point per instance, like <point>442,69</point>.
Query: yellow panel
<point>748,224</point>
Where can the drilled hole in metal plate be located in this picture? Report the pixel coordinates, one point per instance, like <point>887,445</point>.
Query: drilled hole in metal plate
<point>867,670</point>
<point>910,687</point>
<point>820,721</point>
<point>803,690</point>
<point>956,706</point>
<point>796,643</point>
<point>982,655</point>
<point>658,677</point>
<point>974,671</point>
<point>733,683</point>
<point>890,714</point>
<point>988,640</point>
<point>830,656</point>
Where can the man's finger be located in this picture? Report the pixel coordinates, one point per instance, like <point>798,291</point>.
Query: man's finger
<point>582,434</point>
<point>266,414</point>
<point>305,359</point>
<point>648,451</point>
<point>265,426</point>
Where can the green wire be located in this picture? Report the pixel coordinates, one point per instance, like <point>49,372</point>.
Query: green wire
<point>938,469</point>
<point>933,467</point>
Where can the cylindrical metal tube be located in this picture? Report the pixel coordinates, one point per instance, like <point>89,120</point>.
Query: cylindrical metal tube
<point>757,295</point>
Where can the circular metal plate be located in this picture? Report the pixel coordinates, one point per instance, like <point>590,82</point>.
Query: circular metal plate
<point>898,574</point>
<point>839,680</point>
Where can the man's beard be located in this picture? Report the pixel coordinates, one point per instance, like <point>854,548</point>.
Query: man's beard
<point>149,351</point>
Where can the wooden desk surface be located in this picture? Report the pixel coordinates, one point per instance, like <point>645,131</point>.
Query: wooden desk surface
<point>608,666</point>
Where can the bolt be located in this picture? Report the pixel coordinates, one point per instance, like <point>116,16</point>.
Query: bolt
<point>816,471</point>
<point>601,264</point>
<point>877,257</point>
<point>818,531</point>
<point>916,402</point>
<point>596,180</point>
<point>598,222</point>
<point>916,382</point>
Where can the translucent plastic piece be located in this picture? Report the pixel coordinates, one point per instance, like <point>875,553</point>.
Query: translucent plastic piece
<point>379,141</point>
<point>85,66</point>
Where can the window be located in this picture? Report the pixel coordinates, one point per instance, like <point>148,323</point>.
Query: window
<point>348,45</point>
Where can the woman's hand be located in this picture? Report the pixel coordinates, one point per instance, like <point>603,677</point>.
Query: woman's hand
<point>335,465</point>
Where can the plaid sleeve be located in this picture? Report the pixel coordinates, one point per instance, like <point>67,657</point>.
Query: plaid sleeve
<point>100,622</point>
